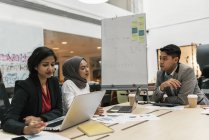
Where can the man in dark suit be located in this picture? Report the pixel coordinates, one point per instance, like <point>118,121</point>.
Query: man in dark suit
<point>175,81</point>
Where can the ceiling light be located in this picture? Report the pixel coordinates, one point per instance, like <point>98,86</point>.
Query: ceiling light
<point>93,1</point>
<point>55,48</point>
<point>99,48</point>
<point>71,51</point>
<point>64,42</point>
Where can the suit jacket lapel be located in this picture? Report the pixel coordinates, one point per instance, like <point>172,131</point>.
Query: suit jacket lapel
<point>163,79</point>
<point>175,76</point>
<point>171,91</point>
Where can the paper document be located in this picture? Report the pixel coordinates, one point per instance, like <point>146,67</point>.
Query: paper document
<point>164,108</point>
<point>206,111</point>
<point>46,136</point>
<point>40,136</point>
<point>123,118</point>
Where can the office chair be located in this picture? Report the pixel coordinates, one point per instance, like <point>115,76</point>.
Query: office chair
<point>203,81</point>
<point>4,100</point>
<point>205,71</point>
<point>203,61</point>
<point>122,96</point>
<point>106,100</point>
<point>10,92</point>
<point>203,56</point>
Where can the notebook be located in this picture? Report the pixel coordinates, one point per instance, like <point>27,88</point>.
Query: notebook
<point>82,109</point>
<point>120,109</point>
<point>94,128</point>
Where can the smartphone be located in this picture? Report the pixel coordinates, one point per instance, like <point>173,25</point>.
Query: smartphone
<point>20,138</point>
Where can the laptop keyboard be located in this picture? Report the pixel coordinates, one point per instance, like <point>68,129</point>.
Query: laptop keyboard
<point>125,109</point>
<point>120,109</point>
<point>55,124</point>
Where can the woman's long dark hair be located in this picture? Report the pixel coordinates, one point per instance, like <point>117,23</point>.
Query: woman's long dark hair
<point>37,56</point>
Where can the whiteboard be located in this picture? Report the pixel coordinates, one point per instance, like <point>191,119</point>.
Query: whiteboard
<point>17,43</point>
<point>124,52</point>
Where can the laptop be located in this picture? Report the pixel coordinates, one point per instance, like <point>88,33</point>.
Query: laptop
<point>120,109</point>
<point>165,104</point>
<point>82,109</point>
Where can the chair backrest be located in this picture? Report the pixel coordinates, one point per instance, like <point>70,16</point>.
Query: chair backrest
<point>94,87</point>
<point>4,100</point>
<point>122,96</point>
<point>106,100</point>
<point>10,91</point>
<point>203,81</point>
<point>203,55</point>
<point>205,71</point>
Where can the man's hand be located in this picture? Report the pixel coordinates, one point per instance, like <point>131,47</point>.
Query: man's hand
<point>170,83</point>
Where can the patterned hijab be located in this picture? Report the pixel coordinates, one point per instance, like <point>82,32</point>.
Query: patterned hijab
<point>70,71</point>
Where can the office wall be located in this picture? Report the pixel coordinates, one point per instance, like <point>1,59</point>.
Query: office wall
<point>47,21</point>
<point>179,22</point>
<point>97,11</point>
<point>62,24</point>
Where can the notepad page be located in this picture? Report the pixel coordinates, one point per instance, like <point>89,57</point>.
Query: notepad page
<point>94,128</point>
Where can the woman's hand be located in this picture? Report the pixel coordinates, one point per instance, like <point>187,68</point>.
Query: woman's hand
<point>34,127</point>
<point>99,111</point>
<point>30,119</point>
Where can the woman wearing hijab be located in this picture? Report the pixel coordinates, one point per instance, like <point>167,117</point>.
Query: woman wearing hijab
<point>75,72</point>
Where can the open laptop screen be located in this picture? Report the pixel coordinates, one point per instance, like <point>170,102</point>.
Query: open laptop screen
<point>82,109</point>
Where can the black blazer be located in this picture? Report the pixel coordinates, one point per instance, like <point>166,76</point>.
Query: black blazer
<point>27,101</point>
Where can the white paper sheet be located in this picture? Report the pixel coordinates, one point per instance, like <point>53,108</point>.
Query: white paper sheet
<point>123,118</point>
<point>40,136</point>
<point>206,111</point>
<point>46,136</point>
<point>164,108</point>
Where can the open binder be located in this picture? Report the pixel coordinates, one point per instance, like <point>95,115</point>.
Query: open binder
<point>93,128</point>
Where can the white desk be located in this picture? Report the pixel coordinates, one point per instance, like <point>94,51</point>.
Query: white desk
<point>173,125</point>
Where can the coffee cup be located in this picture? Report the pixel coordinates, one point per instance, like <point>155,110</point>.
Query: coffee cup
<point>132,99</point>
<point>192,100</point>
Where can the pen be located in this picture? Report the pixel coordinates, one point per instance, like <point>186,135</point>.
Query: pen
<point>112,115</point>
<point>132,116</point>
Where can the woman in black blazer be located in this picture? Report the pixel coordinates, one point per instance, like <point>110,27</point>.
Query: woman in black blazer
<point>36,99</point>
